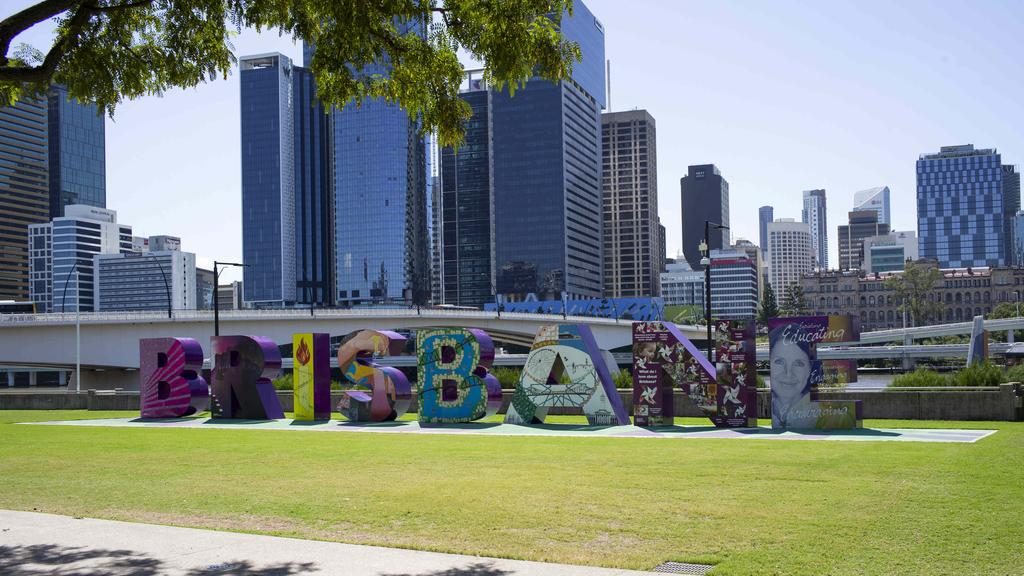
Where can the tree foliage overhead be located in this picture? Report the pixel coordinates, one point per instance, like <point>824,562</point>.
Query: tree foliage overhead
<point>106,51</point>
<point>913,291</point>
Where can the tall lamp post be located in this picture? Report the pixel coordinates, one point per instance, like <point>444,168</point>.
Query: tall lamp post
<point>705,252</point>
<point>216,293</point>
<point>167,285</point>
<point>78,321</point>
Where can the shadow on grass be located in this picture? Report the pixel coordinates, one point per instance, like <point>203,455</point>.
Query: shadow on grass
<point>39,559</point>
<point>301,423</point>
<point>475,569</point>
<point>460,425</point>
<point>388,424</point>
<point>567,427</point>
<point>167,420</point>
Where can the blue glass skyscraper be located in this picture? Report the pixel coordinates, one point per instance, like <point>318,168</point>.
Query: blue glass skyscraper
<point>268,180</point>
<point>287,193</point>
<point>547,176</point>
<point>382,245</point>
<point>77,137</point>
<point>964,216</point>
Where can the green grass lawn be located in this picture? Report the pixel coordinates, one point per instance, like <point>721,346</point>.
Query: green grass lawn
<point>751,507</point>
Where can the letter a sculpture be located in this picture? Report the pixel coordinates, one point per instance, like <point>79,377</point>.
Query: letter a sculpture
<point>566,369</point>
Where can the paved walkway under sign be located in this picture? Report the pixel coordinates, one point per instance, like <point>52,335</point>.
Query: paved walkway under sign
<point>32,544</point>
<point>570,430</point>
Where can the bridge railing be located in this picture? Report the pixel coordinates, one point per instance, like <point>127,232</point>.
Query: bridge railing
<point>288,313</point>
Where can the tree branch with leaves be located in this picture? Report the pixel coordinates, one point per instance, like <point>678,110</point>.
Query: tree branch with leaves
<point>108,51</point>
<point>913,288</point>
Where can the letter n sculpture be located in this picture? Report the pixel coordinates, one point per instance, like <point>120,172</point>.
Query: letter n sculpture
<point>170,384</point>
<point>311,376</point>
<point>566,369</point>
<point>454,384</point>
<point>663,359</point>
<point>241,378</point>
<point>379,393</point>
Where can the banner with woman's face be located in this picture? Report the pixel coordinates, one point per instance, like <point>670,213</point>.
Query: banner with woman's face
<point>796,372</point>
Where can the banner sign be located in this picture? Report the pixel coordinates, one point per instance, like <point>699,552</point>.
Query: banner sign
<point>664,359</point>
<point>796,372</point>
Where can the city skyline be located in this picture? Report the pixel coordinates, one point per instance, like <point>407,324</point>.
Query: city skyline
<point>821,71</point>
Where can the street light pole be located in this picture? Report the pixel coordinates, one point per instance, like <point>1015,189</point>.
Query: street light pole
<point>78,332</point>
<point>705,250</point>
<point>216,291</point>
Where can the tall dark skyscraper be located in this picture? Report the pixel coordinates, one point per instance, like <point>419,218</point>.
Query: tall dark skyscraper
<point>24,190</point>
<point>964,216</point>
<point>705,197</point>
<point>314,200</point>
<point>765,216</point>
<point>466,218</point>
<point>287,201</point>
<point>268,179</point>
<point>77,139</point>
<point>632,240</point>
<point>547,176</point>
<point>862,224</point>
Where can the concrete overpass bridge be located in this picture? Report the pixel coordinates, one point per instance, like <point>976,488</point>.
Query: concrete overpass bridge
<point>109,340</point>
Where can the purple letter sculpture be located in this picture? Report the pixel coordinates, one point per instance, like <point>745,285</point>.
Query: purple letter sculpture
<point>663,358</point>
<point>170,384</point>
<point>379,393</point>
<point>242,369</point>
<point>566,369</point>
<point>311,376</point>
<point>453,382</point>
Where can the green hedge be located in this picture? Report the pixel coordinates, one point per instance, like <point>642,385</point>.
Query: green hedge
<point>985,374</point>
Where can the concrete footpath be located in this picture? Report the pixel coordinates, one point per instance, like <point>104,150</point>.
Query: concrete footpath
<point>32,543</point>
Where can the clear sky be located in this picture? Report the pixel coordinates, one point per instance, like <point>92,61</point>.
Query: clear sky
<point>782,96</point>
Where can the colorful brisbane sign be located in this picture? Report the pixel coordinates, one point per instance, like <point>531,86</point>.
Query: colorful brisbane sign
<point>565,369</point>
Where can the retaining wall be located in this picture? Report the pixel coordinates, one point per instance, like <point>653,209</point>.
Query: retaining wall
<point>1003,403</point>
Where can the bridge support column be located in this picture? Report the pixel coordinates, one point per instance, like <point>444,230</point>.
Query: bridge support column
<point>908,361</point>
<point>33,378</point>
<point>62,378</point>
<point>10,379</point>
<point>1009,336</point>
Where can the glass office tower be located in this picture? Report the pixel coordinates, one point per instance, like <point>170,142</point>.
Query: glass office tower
<point>466,183</point>
<point>77,153</point>
<point>380,212</point>
<point>24,192</point>
<point>268,180</point>
<point>963,218</point>
<point>547,176</point>
<point>815,215</point>
<point>314,200</point>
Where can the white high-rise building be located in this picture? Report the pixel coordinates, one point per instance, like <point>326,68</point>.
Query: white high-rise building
<point>789,253</point>
<point>145,281</point>
<point>682,285</point>
<point>66,246</point>
<point>814,215</point>
<point>876,199</point>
